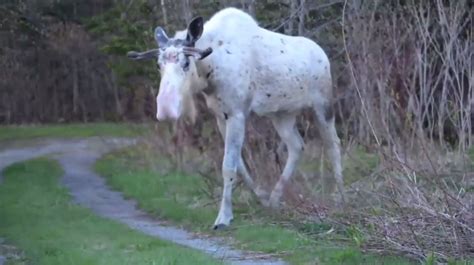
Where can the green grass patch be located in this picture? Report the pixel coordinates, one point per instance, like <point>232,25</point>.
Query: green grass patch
<point>38,217</point>
<point>470,153</point>
<point>73,130</point>
<point>358,163</point>
<point>180,198</point>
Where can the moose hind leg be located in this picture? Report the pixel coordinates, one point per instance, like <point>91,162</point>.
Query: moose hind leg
<point>286,129</point>
<point>326,125</point>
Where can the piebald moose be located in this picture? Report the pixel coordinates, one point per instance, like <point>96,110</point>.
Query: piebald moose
<point>241,68</point>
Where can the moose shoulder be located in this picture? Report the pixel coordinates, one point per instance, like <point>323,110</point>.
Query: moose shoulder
<point>242,68</point>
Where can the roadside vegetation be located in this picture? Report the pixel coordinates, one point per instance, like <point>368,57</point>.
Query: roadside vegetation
<point>39,219</point>
<point>186,200</point>
<point>74,130</point>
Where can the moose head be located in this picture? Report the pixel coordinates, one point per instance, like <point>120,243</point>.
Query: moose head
<point>176,59</point>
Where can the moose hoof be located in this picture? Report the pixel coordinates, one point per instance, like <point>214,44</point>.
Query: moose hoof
<point>274,202</point>
<point>339,199</point>
<point>262,196</point>
<point>220,227</point>
<point>222,222</point>
<point>261,193</point>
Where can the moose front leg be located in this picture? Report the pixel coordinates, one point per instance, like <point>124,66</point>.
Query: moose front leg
<point>261,194</point>
<point>234,138</point>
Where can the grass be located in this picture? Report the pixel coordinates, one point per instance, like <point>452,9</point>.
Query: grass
<point>73,130</point>
<point>180,198</point>
<point>38,217</point>
<point>357,164</point>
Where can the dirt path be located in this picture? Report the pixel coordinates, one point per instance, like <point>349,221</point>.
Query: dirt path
<point>77,158</point>
<point>3,259</point>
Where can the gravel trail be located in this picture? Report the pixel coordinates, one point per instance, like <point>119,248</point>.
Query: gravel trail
<point>88,189</point>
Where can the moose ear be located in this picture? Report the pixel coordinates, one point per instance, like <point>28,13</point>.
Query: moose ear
<point>195,29</point>
<point>161,37</point>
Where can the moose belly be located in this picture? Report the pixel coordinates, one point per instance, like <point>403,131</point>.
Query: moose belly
<point>270,102</point>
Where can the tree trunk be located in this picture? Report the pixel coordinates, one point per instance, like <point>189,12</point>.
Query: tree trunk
<point>187,11</point>
<point>112,84</point>
<point>302,15</point>
<point>75,87</point>
<point>165,13</point>
<point>291,23</point>
<point>251,8</point>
